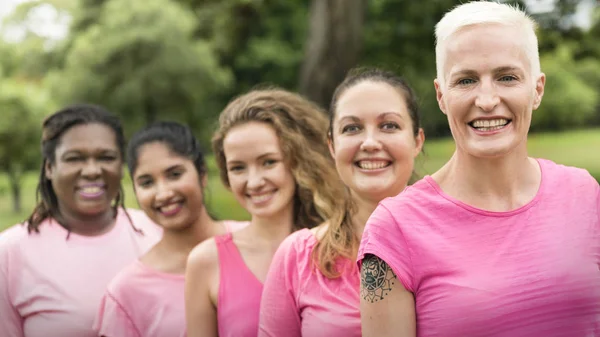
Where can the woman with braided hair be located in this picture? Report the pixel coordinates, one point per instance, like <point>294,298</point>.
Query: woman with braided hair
<point>55,267</point>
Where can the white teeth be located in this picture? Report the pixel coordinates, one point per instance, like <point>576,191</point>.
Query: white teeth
<point>91,190</point>
<point>372,165</point>
<point>169,207</point>
<point>490,123</point>
<point>260,198</point>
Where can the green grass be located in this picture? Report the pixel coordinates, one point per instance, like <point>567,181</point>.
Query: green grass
<point>579,148</point>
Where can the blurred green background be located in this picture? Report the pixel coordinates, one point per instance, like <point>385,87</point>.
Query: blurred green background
<point>183,60</point>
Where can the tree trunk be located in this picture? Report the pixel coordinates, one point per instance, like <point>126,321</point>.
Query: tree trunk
<point>333,47</point>
<point>15,188</point>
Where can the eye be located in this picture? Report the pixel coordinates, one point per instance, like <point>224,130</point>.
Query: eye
<point>175,174</point>
<point>108,158</point>
<point>465,81</point>
<point>390,126</point>
<point>236,168</point>
<point>144,183</point>
<point>508,78</point>
<point>352,128</point>
<point>73,159</point>
<point>270,162</point>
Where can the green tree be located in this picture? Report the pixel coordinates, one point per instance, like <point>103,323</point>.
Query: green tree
<point>23,107</point>
<point>569,101</point>
<point>140,59</point>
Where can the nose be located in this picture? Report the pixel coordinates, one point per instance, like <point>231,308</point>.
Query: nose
<point>256,179</point>
<point>163,192</point>
<point>371,142</point>
<point>91,169</point>
<point>487,97</point>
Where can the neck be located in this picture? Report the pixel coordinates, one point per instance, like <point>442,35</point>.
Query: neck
<point>273,229</point>
<point>496,184</point>
<point>362,212</point>
<point>183,241</point>
<point>171,252</point>
<point>88,225</point>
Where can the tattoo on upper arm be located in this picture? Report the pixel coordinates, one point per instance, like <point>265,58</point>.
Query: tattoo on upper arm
<point>376,279</point>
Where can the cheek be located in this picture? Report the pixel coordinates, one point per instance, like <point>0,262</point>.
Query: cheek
<point>345,151</point>
<point>236,184</point>
<point>144,198</point>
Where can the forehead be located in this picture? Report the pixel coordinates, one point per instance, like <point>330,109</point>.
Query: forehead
<point>249,141</point>
<point>88,137</point>
<point>485,47</point>
<point>148,153</point>
<point>369,98</point>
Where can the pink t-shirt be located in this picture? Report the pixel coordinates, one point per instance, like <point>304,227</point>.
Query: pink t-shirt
<point>239,292</point>
<point>298,300</point>
<point>143,302</point>
<point>51,286</point>
<point>533,271</point>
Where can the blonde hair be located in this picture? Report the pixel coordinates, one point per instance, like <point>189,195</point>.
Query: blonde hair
<point>302,130</point>
<point>482,13</point>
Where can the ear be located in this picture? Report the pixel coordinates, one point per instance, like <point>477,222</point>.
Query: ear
<point>539,90</point>
<point>330,145</point>
<point>419,141</point>
<point>439,95</point>
<point>48,169</point>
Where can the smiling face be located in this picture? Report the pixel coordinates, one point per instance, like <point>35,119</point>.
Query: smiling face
<point>373,144</point>
<point>258,175</point>
<point>489,91</point>
<point>87,170</point>
<point>168,190</point>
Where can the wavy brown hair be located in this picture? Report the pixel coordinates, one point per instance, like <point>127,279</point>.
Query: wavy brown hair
<point>340,239</point>
<point>301,127</point>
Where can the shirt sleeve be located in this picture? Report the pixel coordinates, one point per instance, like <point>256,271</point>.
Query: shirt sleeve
<point>11,322</point>
<point>279,312</point>
<point>383,238</point>
<point>112,319</point>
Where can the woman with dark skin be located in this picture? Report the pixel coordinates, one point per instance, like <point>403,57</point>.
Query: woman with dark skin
<point>55,267</point>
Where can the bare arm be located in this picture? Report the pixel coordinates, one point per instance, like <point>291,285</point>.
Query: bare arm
<point>386,307</point>
<point>200,310</point>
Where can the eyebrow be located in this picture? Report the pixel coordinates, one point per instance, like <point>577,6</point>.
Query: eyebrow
<point>259,157</point>
<point>380,116</point>
<point>503,69</point>
<point>168,169</point>
<point>393,113</point>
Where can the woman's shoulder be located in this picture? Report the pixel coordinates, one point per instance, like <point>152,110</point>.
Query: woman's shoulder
<point>296,251</point>
<point>204,256</point>
<point>13,236</point>
<point>140,221</point>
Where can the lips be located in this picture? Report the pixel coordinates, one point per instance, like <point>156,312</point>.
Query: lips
<point>261,198</point>
<point>91,191</point>
<point>489,124</point>
<point>171,208</point>
<point>372,164</point>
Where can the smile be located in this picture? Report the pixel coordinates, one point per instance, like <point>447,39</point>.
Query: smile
<point>373,164</point>
<point>91,192</point>
<point>261,198</point>
<point>171,209</point>
<point>489,124</point>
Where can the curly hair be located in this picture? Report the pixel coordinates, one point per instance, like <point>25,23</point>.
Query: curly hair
<point>301,127</point>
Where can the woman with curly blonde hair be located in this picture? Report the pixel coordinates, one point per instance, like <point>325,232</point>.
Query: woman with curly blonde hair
<point>313,285</point>
<point>272,154</point>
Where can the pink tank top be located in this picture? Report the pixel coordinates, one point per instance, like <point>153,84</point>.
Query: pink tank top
<point>239,292</point>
